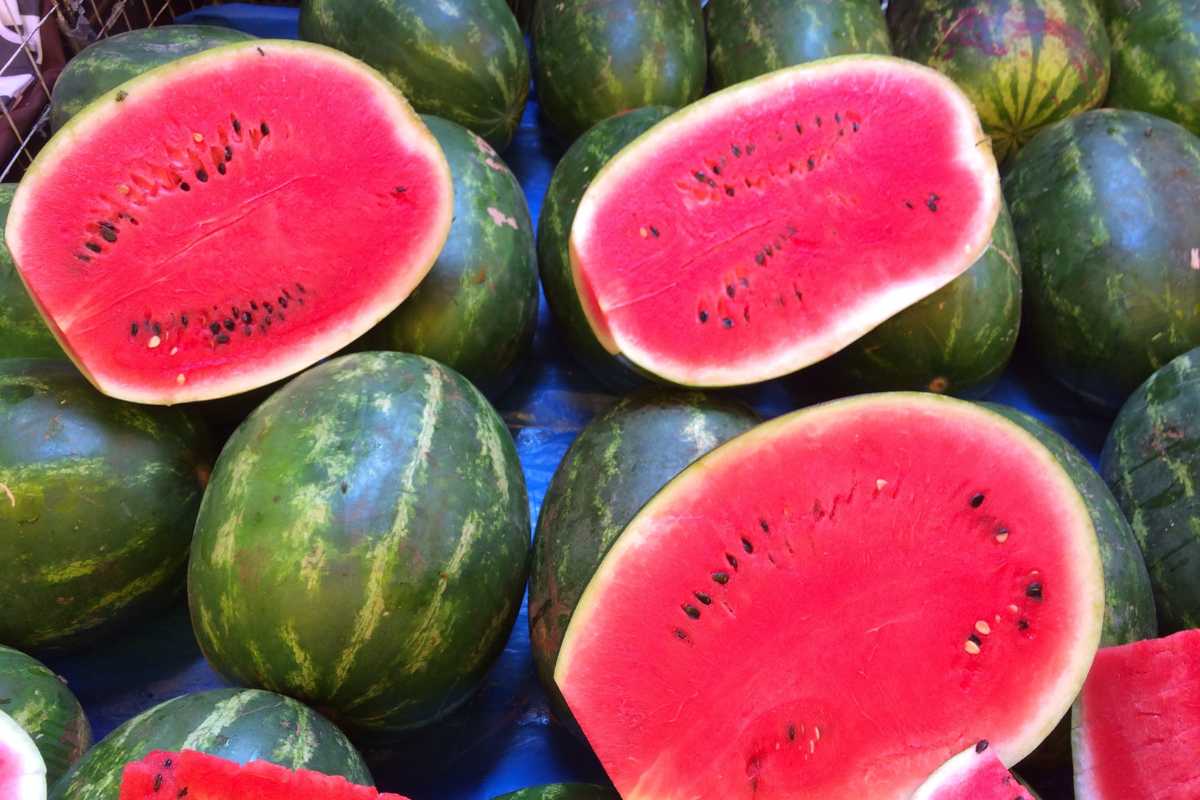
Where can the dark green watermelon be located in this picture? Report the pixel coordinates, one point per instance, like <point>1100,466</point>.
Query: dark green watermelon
<point>114,60</point>
<point>1024,63</point>
<point>42,704</point>
<point>747,38</point>
<point>1104,206</point>
<point>956,341</point>
<point>1151,461</point>
<point>572,176</point>
<point>594,60</point>
<point>562,791</point>
<point>1156,58</point>
<point>477,309</point>
<point>239,725</point>
<point>364,543</point>
<point>617,463</point>
<point>23,332</point>
<point>97,503</point>
<point>463,60</point>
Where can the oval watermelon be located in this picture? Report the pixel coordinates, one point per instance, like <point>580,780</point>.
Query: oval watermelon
<point>42,704</point>
<point>23,332</point>
<point>364,543</point>
<point>1103,209</point>
<point>747,38</point>
<point>594,60</point>
<point>97,503</point>
<point>477,308</point>
<point>562,791</point>
<point>239,725</point>
<point>1156,57</point>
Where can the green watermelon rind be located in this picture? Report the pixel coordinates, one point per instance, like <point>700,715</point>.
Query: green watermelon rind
<point>562,791</point>
<point>42,704</point>
<point>1155,58</point>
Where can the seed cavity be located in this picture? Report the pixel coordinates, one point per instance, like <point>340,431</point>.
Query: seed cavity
<point>971,647</point>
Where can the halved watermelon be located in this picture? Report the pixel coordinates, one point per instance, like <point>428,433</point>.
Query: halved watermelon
<point>974,774</point>
<point>22,770</point>
<point>1136,725</point>
<point>834,604</point>
<point>769,225</point>
<point>223,221</point>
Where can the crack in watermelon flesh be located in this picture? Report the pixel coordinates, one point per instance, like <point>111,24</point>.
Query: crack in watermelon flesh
<point>1136,725</point>
<point>772,224</point>
<point>834,604</point>
<point>22,769</point>
<point>974,774</point>
<point>226,220</point>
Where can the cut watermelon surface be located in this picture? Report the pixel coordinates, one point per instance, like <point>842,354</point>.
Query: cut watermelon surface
<point>1136,725</point>
<point>769,225</point>
<point>973,774</point>
<point>189,239</point>
<point>199,776</point>
<point>834,604</point>
<point>22,770</point>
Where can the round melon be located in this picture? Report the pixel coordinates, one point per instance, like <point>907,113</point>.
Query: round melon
<point>23,332</point>
<point>363,545</point>
<point>235,724</point>
<point>477,309</point>
<point>562,791</point>
<point>1156,58</point>
<point>463,60</point>
<point>1103,207</point>
<point>22,771</point>
<point>42,704</point>
<point>594,60</point>
<point>97,503</point>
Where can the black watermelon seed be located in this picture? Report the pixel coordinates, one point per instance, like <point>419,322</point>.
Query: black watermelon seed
<point>133,329</point>
<point>265,130</point>
<point>253,306</point>
<point>222,339</point>
<point>270,308</point>
<point>727,322</point>
<point>679,634</point>
<point>215,328</point>
<point>762,523</point>
<point>157,782</point>
<point>1034,590</point>
<point>95,248</point>
<point>235,311</point>
<point>854,127</point>
<point>737,153</point>
<point>247,317</point>
<point>975,640</point>
<point>791,733</point>
<point>700,176</point>
<point>229,150</point>
<point>837,117</point>
<point>799,129</point>
<point>730,290</point>
<point>183,320</point>
<point>283,301</point>
<point>703,598</point>
<point>1023,624</point>
<point>760,258</point>
<point>932,203</point>
<point>983,745</point>
<point>108,232</point>
<point>221,168</point>
<point>202,175</point>
<point>812,164</point>
<point>185,187</point>
<point>977,500</point>
<point>730,191</point>
<point>732,561</point>
<point>907,204</point>
<point>654,231</point>
<point>818,122</point>
<point>703,316</point>
<point>230,324</point>
<point>157,329</point>
<point>747,545</point>
<point>691,610</point>
<point>721,577</point>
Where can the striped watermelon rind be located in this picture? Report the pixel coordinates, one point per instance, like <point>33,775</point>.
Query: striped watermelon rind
<point>49,712</point>
<point>562,791</point>
<point>1155,58</point>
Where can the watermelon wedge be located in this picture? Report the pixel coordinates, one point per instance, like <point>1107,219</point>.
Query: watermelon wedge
<point>199,776</point>
<point>228,219</point>
<point>973,774</point>
<point>1136,725</point>
<point>22,770</point>
<point>834,604</point>
<point>769,225</point>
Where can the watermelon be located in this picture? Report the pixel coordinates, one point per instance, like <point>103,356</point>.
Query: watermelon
<point>1155,58</point>
<point>97,503</point>
<point>1151,461</point>
<point>287,207</point>
<point>572,176</point>
<point>1137,722</point>
<point>594,60</point>
<point>41,703</point>
<point>113,60</point>
<point>562,791</point>
<point>618,462</point>
<point>974,774</point>
<point>1024,64</point>
<point>364,543</point>
<point>463,60</point>
<point>747,38</point>
<point>476,311</point>
<point>1102,207</point>
<point>204,777</point>
<point>23,332</point>
<point>956,341</point>
<point>834,604</point>
<point>769,225</point>
<point>22,771</point>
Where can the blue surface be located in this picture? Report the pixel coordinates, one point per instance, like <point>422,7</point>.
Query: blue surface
<point>504,738</point>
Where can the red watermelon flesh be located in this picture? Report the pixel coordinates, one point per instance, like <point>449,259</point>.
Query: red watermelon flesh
<point>974,774</point>
<point>1136,725</point>
<point>22,770</point>
<point>226,220</point>
<point>769,225</point>
<point>199,776</point>
<point>834,604</point>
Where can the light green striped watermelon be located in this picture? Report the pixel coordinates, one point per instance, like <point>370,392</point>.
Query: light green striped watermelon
<point>42,704</point>
<point>23,332</point>
<point>239,725</point>
<point>562,791</point>
<point>364,543</point>
<point>1156,58</point>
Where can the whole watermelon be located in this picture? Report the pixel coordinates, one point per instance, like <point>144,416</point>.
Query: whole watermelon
<point>23,332</point>
<point>562,791</point>
<point>572,176</point>
<point>1151,461</point>
<point>1023,63</point>
<point>239,725</point>
<point>463,60</point>
<point>42,704</point>
<point>617,463</point>
<point>97,503</point>
<point>956,341</point>
<point>477,309</point>
<point>1104,209</point>
<point>594,60</point>
<point>364,543</point>
<point>1156,58</point>
<point>115,59</point>
<point>747,38</point>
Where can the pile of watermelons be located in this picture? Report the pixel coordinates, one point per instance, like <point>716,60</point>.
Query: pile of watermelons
<point>258,298</point>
